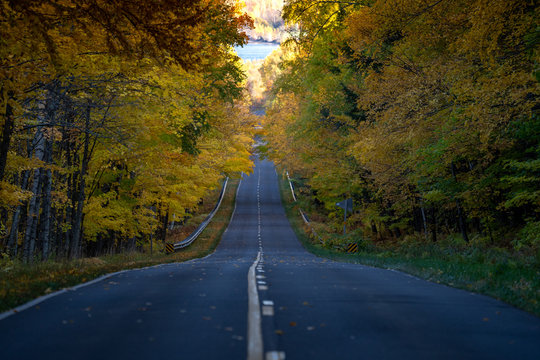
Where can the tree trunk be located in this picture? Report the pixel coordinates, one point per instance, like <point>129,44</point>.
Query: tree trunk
<point>14,232</point>
<point>7,133</point>
<point>45,218</point>
<point>131,244</point>
<point>164,225</point>
<point>44,235</point>
<point>54,239</point>
<point>461,220</point>
<point>434,224</point>
<point>77,224</point>
<point>68,217</point>
<point>33,211</point>
<point>31,221</point>
<point>424,221</point>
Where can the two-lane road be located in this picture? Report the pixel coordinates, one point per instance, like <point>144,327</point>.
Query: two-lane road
<point>262,291</point>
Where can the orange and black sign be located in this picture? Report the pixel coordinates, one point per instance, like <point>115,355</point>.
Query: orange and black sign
<point>352,247</point>
<point>169,248</point>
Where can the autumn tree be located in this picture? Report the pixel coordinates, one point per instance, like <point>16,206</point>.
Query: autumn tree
<point>428,100</point>
<point>107,107</point>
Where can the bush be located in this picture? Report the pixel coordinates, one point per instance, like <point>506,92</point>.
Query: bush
<point>529,238</point>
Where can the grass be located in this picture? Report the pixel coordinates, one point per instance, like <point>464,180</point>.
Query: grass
<point>20,283</point>
<point>511,277</point>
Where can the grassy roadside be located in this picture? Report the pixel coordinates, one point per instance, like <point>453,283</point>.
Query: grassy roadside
<point>508,277</point>
<point>20,283</point>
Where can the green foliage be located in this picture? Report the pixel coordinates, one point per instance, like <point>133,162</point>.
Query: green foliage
<point>522,165</point>
<point>529,238</point>
<point>475,266</point>
<point>425,114</point>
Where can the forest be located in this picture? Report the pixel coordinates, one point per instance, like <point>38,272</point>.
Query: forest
<point>424,112</point>
<point>116,118</point>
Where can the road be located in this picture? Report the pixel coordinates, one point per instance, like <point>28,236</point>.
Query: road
<point>262,296</point>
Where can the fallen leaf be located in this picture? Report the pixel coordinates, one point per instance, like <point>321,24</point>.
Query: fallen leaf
<point>279,332</point>
<point>292,323</point>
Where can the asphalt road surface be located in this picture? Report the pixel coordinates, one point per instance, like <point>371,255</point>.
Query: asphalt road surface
<point>262,296</point>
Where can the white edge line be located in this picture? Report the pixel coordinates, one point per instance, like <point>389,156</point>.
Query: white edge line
<point>41,299</point>
<point>254,335</point>
<point>29,304</point>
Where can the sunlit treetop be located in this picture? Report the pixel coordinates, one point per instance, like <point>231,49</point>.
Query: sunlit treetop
<point>188,31</point>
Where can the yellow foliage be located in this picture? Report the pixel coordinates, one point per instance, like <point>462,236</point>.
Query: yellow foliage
<point>126,108</point>
<point>12,195</point>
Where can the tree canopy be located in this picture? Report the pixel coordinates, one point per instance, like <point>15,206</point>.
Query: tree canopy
<point>116,117</point>
<point>424,111</point>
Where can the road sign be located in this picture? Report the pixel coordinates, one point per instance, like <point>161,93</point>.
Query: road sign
<point>346,204</point>
<point>169,248</point>
<point>352,247</point>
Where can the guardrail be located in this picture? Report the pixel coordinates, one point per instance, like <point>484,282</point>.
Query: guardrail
<point>350,247</point>
<point>304,216</point>
<point>191,238</point>
<point>290,185</point>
